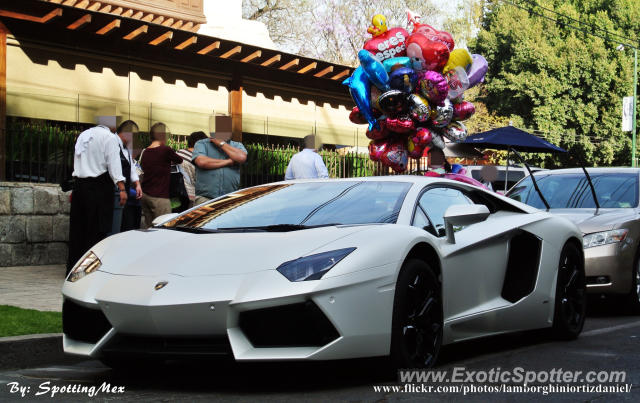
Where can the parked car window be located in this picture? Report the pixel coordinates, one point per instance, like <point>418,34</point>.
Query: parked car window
<point>614,190</point>
<point>435,202</point>
<point>311,204</point>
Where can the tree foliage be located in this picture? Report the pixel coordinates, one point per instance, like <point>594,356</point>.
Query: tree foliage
<point>565,83</point>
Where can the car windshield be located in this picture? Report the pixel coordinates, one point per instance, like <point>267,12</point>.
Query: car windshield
<point>298,205</point>
<point>614,190</point>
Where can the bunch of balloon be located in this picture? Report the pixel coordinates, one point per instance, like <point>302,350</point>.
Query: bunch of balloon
<point>409,89</point>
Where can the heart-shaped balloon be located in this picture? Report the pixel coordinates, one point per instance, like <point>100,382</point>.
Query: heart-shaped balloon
<point>393,103</point>
<point>434,87</point>
<point>356,117</point>
<point>458,82</point>
<point>396,155</point>
<point>477,70</point>
<point>422,136</point>
<point>443,114</point>
<point>456,132</point>
<point>458,58</point>
<point>415,150</point>
<point>375,70</point>
<point>463,110</point>
<point>403,79</point>
<point>399,125</point>
<point>389,44</point>
<point>377,148</point>
<point>420,109</point>
<point>426,54</point>
<point>377,133</point>
<point>434,35</point>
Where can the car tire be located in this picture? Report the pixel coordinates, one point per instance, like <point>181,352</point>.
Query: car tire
<point>633,298</point>
<point>416,329</point>
<point>571,294</point>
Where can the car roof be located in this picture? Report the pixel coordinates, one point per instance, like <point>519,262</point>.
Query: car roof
<point>603,170</point>
<point>416,179</point>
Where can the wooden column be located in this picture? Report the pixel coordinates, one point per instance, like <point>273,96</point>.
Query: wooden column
<point>3,102</point>
<point>235,108</point>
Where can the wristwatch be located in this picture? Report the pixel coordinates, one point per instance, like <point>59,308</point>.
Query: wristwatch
<point>222,143</point>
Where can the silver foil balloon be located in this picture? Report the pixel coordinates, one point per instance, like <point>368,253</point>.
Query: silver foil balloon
<point>456,132</point>
<point>437,140</point>
<point>444,114</point>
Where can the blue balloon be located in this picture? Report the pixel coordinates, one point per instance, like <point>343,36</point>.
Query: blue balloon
<point>374,70</point>
<point>455,168</point>
<point>360,89</point>
<point>402,61</point>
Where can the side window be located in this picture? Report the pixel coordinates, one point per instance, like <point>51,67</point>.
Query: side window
<point>434,202</point>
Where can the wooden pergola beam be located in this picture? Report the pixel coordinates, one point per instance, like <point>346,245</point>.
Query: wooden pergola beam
<point>188,26</point>
<point>148,18</point>
<point>324,72</point>
<point>187,43</point>
<point>136,32</point>
<point>254,55</point>
<point>229,53</point>
<point>292,63</point>
<point>158,20</point>
<point>69,2</point>
<point>26,17</point>
<point>82,4</point>
<point>162,38</point>
<point>340,75</point>
<point>109,27</point>
<point>178,24</point>
<point>168,22</point>
<point>215,45</point>
<point>137,15</point>
<point>271,60</point>
<point>308,67</point>
<point>117,11</point>
<point>107,8</point>
<point>85,19</point>
<point>95,6</point>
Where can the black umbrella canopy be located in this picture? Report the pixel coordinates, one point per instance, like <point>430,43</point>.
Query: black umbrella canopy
<point>509,137</point>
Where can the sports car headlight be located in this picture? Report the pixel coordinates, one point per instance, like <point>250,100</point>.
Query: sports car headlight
<point>88,265</point>
<point>312,267</point>
<point>603,238</point>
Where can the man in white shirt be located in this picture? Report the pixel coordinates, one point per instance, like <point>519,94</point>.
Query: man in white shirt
<point>96,168</point>
<point>124,135</point>
<point>307,164</point>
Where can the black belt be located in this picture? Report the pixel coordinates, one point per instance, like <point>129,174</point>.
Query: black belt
<point>101,178</point>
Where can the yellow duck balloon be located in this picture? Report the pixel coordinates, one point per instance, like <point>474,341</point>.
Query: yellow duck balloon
<point>378,25</point>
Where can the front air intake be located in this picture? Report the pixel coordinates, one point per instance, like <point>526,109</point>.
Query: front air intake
<point>295,325</point>
<point>83,324</point>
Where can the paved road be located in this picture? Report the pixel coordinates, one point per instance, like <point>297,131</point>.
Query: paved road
<point>610,341</point>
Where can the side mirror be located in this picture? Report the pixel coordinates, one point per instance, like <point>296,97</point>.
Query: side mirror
<point>164,218</point>
<point>463,214</point>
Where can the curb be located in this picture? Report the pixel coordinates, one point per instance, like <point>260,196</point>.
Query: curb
<point>32,350</point>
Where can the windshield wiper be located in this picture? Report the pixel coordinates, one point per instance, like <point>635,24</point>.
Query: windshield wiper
<point>191,230</point>
<point>593,189</point>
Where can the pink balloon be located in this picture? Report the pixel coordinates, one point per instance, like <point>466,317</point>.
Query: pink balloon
<point>422,136</point>
<point>434,87</point>
<point>396,156</point>
<point>463,110</point>
<point>377,148</point>
<point>399,125</point>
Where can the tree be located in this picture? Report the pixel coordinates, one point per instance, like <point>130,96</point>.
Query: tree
<point>332,30</point>
<point>566,83</point>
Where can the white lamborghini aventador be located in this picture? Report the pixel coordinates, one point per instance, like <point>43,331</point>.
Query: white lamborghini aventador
<point>328,269</point>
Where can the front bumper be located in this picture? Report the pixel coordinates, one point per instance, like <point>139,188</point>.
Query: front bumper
<point>217,315</point>
<point>608,268</point>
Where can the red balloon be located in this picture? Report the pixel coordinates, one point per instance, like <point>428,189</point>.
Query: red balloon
<point>377,148</point>
<point>356,117</point>
<point>415,150</point>
<point>430,54</point>
<point>399,125</point>
<point>390,44</point>
<point>396,156</point>
<point>463,111</point>
<point>378,133</point>
<point>422,137</point>
<point>433,34</point>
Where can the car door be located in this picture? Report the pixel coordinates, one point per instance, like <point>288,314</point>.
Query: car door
<point>473,268</point>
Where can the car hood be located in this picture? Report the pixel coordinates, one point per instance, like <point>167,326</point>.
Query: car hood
<point>595,220</point>
<point>162,251</point>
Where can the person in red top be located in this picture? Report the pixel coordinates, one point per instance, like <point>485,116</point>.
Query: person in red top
<point>155,162</point>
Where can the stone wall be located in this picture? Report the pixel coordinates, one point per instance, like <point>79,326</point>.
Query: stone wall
<point>34,224</point>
